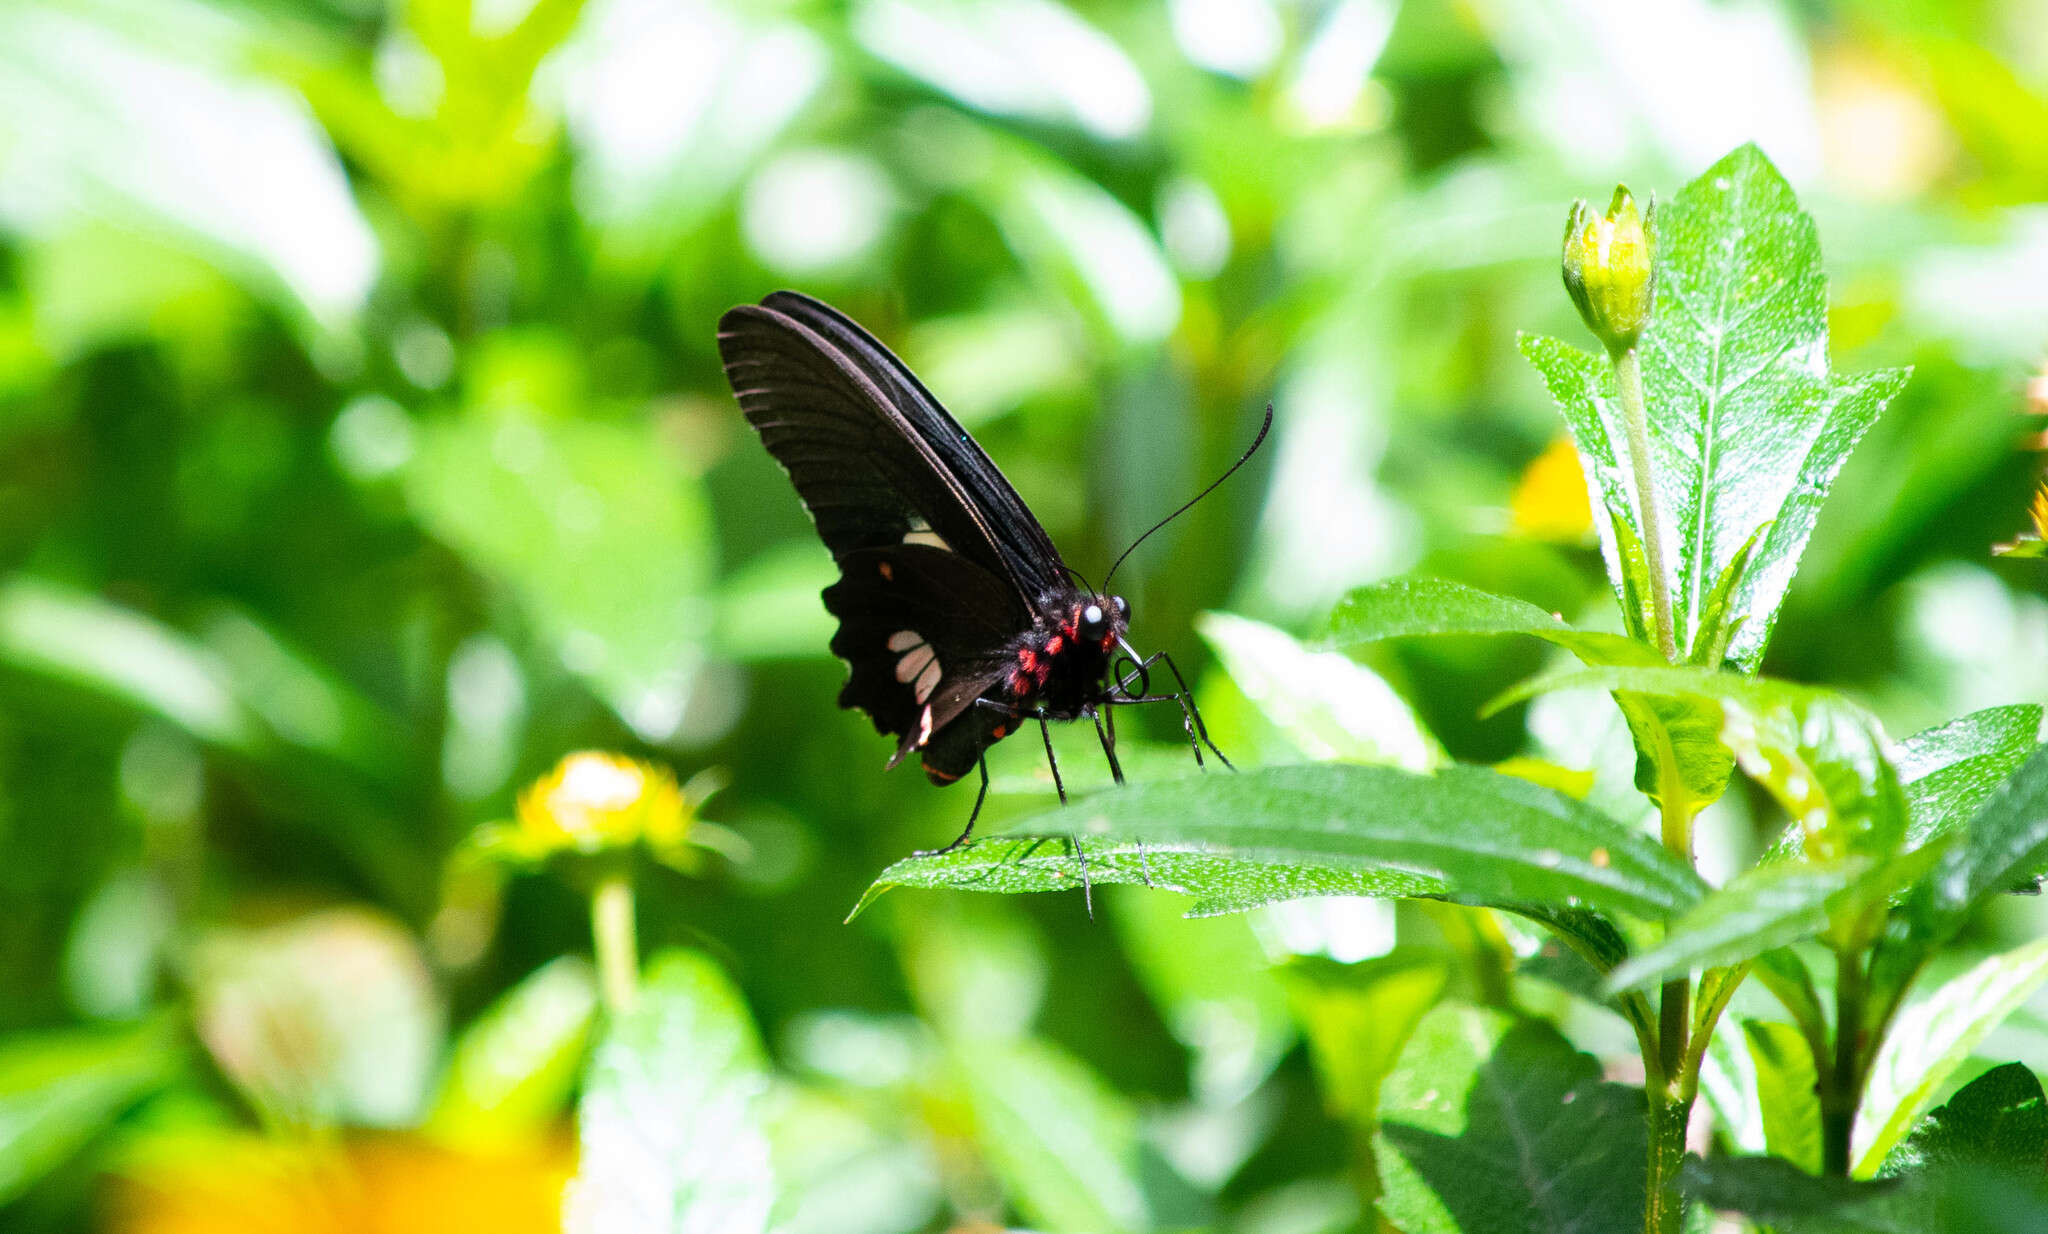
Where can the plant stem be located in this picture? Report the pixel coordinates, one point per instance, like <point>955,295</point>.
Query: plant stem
<point>1674,1008</point>
<point>1841,1089</point>
<point>1628,375</point>
<point>618,955</point>
<point>1670,1112</point>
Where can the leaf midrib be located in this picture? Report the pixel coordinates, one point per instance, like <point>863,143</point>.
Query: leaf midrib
<point>1709,422</point>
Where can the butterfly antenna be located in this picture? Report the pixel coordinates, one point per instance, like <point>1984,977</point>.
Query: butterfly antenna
<point>1242,459</point>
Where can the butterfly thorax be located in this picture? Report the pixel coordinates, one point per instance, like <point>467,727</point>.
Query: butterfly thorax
<point>1059,664</point>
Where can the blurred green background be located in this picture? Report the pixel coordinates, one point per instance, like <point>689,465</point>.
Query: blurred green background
<point>363,450</point>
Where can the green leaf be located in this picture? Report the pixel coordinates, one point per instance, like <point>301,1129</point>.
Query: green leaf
<point>670,1124</point>
<point>59,1090</point>
<point>1952,770</point>
<point>1357,1017</point>
<point>1779,1194</point>
<point>1760,909</point>
<point>512,1070</point>
<point>2005,844</point>
<point>1747,425</point>
<point>1327,705</point>
<point>1679,753</point>
<point>1785,1080</point>
<point>603,541</point>
<point>68,636</point>
<point>2000,1118</point>
<point>1215,989</point>
<point>1490,1123</point>
<point>1279,833</point>
<point>1930,1038</point>
<point>1718,622</point>
<point>1063,1142</point>
<point>1820,755</point>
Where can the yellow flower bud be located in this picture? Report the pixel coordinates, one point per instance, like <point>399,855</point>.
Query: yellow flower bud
<point>1608,268</point>
<point>593,801</point>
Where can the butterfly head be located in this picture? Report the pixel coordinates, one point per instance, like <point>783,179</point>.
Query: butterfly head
<point>1102,619</point>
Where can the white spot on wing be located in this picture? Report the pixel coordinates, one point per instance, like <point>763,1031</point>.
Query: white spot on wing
<point>924,726</point>
<point>926,536</point>
<point>904,640</point>
<point>915,662</point>
<point>928,680</point>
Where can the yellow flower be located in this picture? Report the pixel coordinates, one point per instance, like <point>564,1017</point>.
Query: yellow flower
<point>2036,544</point>
<point>1550,502</point>
<point>593,801</point>
<point>1608,269</point>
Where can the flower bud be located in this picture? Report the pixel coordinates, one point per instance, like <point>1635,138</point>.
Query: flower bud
<point>1608,270</point>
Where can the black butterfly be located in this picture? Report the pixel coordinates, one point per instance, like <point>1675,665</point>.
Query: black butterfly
<point>957,617</point>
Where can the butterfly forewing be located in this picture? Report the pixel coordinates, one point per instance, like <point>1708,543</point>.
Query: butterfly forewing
<point>941,565</point>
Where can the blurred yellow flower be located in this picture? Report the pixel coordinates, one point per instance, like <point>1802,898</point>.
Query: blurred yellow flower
<point>1550,502</point>
<point>240,1184</point>
<point>593,800</point>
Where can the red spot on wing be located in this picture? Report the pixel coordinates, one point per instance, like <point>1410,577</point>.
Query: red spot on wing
<point>1053,645</point>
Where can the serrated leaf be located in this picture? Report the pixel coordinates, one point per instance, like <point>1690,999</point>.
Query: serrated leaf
<point>1747,425</point>
<point>1718,622</point>
<point>1327,705</point>
<point>1763,908</point>
<point>1064,1143</point>
<point>1819,754</point>
<point>58,1090</point>
<point>1490,1123</point>
<point>512,1070</point>
<point>1930,1038</point>
<point>671,1122</point>
<point>1680,755</point>
<point>1776,1192</point>
<point>1357,1017</point>
<point>2000,1118</point>
<point>1950,771</point>
<point>2004,844</point>
<point>1280,833</point>
<point>1785,1080</point>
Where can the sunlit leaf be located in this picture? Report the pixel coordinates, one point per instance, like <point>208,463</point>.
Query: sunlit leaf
<point>59,1090</point>
<point>603,540</point>
<point>1064,1143</point>
<point>1785,1088</point>
<point>1329,706</point>
<point>512,1071</point>
<point>54,632</point>
<point>1214,988</point>
<point>1762,908</point>
<point>1930,1038</point>
<point>1497,1124</point>
<point>1952,770</point>
<point>2005,843</point>
<point>671,1120</point>
<point>1679,752</point>
<point>1747,425</point>
<point>1278,833</point>
<point>1356,1019</point>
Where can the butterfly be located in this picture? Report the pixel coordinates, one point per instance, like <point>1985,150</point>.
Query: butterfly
<point>958,620</point>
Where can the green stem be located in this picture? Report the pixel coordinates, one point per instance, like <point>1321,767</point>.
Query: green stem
<point>1674,1008</point>
<point>618,954</point>
<point>1841,1087</point>
<point>1670,1112</point>
<point>1628,375</point>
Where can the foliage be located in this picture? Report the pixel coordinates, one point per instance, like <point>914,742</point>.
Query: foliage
<point>364,455</point>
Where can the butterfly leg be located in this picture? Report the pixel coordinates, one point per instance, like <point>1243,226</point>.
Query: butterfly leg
<point>1087,886</point>
<point>1190,712</point>
<point>980,795</point>
<point>1107,736</point>
<point>1051,759</point>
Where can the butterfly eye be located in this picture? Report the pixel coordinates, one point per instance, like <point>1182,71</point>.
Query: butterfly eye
<point>1123,609</point>
<point>1092,623</point>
